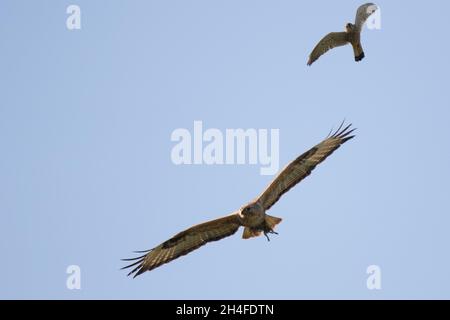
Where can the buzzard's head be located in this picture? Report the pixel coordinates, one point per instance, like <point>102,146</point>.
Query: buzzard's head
<point>252,209</point>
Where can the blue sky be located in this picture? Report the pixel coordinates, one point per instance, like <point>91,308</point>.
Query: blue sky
<point>86,175</point>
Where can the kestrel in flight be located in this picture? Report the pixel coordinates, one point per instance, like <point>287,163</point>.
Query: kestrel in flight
<point>351,35</point>
<point>252,216</point>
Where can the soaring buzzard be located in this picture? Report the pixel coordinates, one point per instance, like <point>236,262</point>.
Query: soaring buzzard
<point>351,35</point>
<point>252,216</point>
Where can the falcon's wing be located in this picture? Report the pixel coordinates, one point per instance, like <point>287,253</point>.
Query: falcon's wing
<point>330,41</point>
<point>363,13</point>
<point>185,242</point>
<point>301,167</point>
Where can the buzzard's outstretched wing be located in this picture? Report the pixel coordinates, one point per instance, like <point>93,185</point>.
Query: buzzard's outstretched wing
<point>330,41</point>
<point>185,242</point>
<point>301,167</point>
<point>363,13</point>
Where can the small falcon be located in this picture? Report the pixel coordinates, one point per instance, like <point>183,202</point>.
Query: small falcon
<point>351,35</point>
<point>252,216</point>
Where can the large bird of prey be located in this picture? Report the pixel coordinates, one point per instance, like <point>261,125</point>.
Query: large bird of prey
<point>351,35</point>
<point>252,216</point>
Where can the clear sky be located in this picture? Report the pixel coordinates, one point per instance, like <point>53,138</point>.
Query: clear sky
<point>86,175</point>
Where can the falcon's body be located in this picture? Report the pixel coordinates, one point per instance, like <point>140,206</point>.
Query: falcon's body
<point>354,38</point>
<point>351,35</point>
<point>252,216</point>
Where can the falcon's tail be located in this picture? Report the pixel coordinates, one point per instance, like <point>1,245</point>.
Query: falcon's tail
<point>358,51</point>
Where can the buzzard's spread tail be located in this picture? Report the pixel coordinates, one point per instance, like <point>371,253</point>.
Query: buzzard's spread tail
<point>271,222</point>
<point>250,233</point>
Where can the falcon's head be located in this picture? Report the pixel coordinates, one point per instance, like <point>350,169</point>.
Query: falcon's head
<point>349,27</point>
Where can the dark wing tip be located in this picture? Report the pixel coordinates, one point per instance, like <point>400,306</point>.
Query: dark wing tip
<point>139,272</point>
<point>130,265</point>
<point>346,139</point>
<point>343,133</point>
<point>140,263</point>
<point>338,130</point>
<point>143,251</point>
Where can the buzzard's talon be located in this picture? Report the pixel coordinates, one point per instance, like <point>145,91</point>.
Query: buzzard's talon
<point>269,232</point>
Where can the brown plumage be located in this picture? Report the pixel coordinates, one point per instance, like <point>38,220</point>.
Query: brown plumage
<point>352,35</point>
<point>252,216</point>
